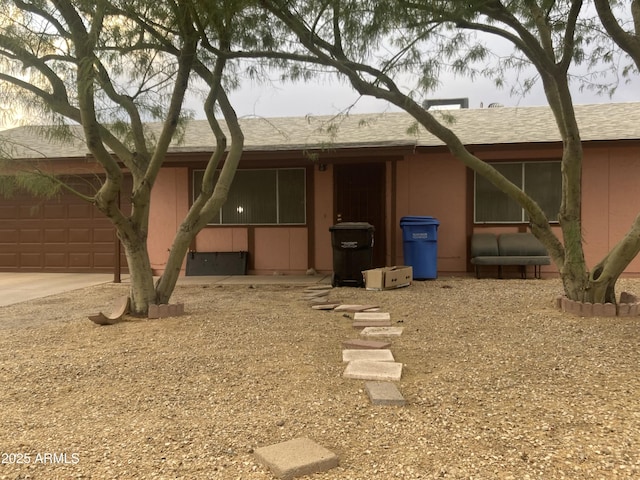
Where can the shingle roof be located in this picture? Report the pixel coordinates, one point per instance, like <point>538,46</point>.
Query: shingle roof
<point>505,125</point>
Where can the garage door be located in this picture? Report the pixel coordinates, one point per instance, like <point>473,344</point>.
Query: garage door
<point>63,234</point>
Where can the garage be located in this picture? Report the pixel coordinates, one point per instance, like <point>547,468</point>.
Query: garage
<point>62,234</point>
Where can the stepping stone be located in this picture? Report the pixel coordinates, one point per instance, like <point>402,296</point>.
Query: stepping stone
<point>325,306</point>
<point>295,458</point>
<point>382,331</point>
<point>318,287</point>
<point>373,355</point>
<point>354,308</point>
<point>318,300</point>
<point>372,316</point>
<point>384,393</point>
<point>370,370</point>
<point>319,293</point>
<point>359,344</point>
<point>371,323</point>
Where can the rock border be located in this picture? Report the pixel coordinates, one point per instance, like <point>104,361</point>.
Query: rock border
<point>628,306</point>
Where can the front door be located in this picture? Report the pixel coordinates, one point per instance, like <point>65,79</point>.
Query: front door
<point>360,197</point>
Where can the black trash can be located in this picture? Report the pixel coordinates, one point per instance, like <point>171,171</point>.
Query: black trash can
<point>352,244</point>
<point>420,246</point>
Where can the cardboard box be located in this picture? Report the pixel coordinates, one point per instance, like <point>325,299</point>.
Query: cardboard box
<point>388,277</point>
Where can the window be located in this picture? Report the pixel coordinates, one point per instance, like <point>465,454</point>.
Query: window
<point>264,196</point>
<point>542,181</point>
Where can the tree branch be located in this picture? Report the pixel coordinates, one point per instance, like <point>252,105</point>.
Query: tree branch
<point>630,43</point>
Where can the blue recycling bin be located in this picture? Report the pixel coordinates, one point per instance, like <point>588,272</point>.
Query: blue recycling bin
<point>420,246</point>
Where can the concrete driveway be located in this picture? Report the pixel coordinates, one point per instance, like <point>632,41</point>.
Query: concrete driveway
<point>20,287</point>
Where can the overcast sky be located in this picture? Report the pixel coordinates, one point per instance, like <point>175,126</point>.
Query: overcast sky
<point>328,98</point>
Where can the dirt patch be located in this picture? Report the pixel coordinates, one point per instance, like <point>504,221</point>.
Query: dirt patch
<point>498,383</point>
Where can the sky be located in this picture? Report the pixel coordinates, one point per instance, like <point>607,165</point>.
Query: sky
<point>333,97</point>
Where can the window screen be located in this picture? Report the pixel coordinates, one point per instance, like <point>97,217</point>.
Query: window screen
<point>262,196</point>
<point>542,181</point>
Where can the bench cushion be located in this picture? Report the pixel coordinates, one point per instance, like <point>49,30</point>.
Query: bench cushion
<point>484,245</point>
<point>520,244</point>
<point>508,249</point>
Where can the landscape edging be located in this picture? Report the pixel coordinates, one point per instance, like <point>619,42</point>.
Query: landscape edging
<point>628,306</point>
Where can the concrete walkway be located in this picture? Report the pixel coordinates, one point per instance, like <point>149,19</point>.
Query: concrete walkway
<point>22,287</point>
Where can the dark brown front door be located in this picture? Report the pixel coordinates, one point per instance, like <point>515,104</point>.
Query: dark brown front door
<point>360,197</point>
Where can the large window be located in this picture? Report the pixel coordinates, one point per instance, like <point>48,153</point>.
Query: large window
<point>264,196</point>
<point>542,181</point>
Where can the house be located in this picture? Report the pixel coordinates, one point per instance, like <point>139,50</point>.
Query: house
<point>299,176</point>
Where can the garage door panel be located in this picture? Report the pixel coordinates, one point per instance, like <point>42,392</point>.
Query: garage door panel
<point>103,260</point>
<point>8,236</point>
<point>8,212</point>
<point>78,259</point>
<point>54,212</point>
<point>8,260</point>
<point>55,260</point>
<point>55,235</point>
<point>80,211</point>
<point>79,235</point>
<point>31,259</point>
<point>31,236</point>
<point>29,211</point>
<point>103,235</point>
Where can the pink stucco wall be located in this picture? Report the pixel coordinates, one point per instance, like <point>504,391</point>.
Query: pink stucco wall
<point>426,185</point>
<point>169,205</point>
<point>280,249</point>
<point>611,200</point>
<point>435,186</point>
<point>223,239</point>
<point>275,249</point>
<point>323,214</point>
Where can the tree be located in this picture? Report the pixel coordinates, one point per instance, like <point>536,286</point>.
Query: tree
<point>111,67</point>
<point>627,39</point>
<point>373,43</point>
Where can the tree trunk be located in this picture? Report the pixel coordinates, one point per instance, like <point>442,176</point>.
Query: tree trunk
<point>167,281</point>
<point>210,200</point>
<point>573,270</point>
<point>142,292</point>
<point>602,288</point>
<point>603,277</point>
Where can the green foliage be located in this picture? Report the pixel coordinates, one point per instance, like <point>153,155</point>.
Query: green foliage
<point>7,186</point>
<point>424,40</point>
<point>34,183</point>
<point>39,185</point>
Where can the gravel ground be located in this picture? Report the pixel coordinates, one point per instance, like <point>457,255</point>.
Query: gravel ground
<point>499,385</point>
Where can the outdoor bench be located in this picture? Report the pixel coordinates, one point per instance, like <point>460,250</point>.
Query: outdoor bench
<point>507,249</point>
